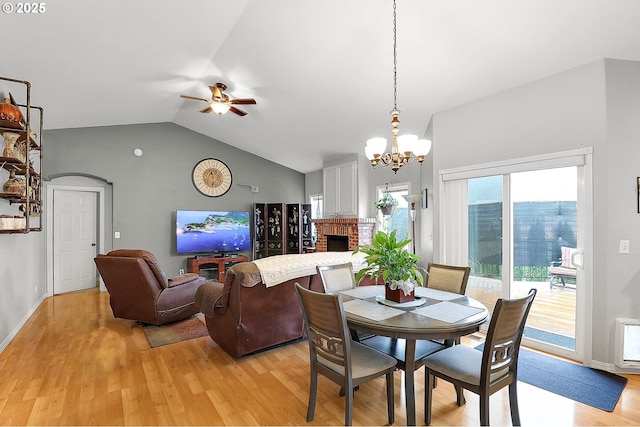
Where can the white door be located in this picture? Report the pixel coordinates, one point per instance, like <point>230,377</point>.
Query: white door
<point>74,240</point>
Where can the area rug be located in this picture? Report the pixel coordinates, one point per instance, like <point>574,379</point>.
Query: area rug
<point>193,327</point>
<point>592,387</point>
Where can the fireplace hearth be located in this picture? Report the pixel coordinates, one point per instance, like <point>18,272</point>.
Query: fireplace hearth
<point>343,234</point>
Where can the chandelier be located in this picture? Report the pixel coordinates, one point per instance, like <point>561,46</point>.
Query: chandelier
<point>405,149</point>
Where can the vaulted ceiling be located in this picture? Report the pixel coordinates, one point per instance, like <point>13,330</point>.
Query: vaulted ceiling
<point>320,71</point>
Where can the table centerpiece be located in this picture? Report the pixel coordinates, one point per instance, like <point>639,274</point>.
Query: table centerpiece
<point>387,258</point>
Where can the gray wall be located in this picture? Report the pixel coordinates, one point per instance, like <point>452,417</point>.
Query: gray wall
<point>596,105</point>
<point>617,276</point>
<point>22,280</point>
<point>146,192</point>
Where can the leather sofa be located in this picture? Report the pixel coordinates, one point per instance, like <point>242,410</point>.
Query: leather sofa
<point>244,316</point>
<point>139,290</point>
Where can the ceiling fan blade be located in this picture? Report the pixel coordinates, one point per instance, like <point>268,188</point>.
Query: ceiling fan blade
<point>238,111</point>
<point>193,97</point>
<point>207,110</point>
<point>243,101</point>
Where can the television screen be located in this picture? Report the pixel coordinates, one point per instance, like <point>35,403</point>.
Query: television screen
<point>212,231</point>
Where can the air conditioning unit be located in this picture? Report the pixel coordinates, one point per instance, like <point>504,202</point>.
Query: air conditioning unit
<point>627,343</point>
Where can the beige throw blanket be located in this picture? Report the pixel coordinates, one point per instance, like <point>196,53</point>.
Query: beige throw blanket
<point>280,268</point>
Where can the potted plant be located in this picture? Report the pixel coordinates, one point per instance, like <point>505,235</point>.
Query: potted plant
<point>386,204</point>
<point>388,259</point>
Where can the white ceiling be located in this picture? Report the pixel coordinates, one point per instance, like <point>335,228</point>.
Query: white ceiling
<point>320,71</point>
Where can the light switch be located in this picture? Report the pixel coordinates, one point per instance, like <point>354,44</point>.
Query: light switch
<point>624,246</point>
<point>116,235</point>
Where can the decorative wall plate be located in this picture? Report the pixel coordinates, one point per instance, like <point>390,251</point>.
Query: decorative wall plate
<point>212,177</point>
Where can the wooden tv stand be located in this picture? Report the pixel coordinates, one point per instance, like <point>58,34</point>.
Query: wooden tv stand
<point>194,263</point>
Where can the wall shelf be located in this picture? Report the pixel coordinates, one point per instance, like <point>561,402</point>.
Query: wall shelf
<point>25,162</point>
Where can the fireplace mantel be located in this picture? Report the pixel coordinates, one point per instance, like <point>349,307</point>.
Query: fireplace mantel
<point>359,230</point>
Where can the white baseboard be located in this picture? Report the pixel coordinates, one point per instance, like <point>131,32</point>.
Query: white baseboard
<point>19,326</point>
<point>614,369</point>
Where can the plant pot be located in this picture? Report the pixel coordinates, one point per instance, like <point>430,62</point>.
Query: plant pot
<point>387,210</point>
<point>398,295</point>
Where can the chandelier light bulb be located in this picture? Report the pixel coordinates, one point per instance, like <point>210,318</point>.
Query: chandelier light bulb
<point>378,145</point>
<point>422,147</point>
<point>406,143</point>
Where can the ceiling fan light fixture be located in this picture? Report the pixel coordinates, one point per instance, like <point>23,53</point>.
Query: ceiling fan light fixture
<point>220,102</point>
<point>220,107</point>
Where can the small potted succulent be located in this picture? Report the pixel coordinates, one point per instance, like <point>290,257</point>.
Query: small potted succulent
<point>387,258</point>
<point>386,204</point>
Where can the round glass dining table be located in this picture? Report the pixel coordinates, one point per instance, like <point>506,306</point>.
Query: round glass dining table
<point>434,315</point>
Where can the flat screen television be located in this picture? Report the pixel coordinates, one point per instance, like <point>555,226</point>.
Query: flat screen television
<point>209,232</point>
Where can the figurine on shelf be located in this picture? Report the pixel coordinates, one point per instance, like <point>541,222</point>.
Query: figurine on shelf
<point>10,112</point>
<point>10,139</point>
<point>20,150</point>
<point>12,185</point>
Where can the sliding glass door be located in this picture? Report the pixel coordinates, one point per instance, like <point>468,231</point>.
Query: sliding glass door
<point>511,228</point>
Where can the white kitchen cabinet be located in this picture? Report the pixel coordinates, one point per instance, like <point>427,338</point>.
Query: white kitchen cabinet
<point>340,187</point>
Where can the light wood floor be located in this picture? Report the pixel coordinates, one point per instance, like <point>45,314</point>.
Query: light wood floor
<point>74,364</point>
<point>553,310</point>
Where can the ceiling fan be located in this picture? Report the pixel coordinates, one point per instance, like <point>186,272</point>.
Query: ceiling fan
<point>220,102</point>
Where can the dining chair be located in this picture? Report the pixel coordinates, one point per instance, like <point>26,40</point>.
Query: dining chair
<point>336,277</point>
<point>448,278</point>
<point>487,371</point>
<point>333,354</point>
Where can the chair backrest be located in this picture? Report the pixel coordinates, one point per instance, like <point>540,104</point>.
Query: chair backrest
<point>327,331</point>
<point>448,278</point>
<point>501,348</point>
<point>148,257</point>
<point>337,277</point>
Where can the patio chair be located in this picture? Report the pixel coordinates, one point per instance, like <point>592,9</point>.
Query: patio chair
<point>563,269</point>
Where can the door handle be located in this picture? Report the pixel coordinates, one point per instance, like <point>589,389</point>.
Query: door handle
<point>574,259</point>
<point>93,244</point>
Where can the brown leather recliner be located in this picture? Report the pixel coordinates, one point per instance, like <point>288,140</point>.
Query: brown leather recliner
<point>139,289</point>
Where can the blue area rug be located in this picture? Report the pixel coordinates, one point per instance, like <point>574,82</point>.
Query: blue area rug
<point>592,387</point>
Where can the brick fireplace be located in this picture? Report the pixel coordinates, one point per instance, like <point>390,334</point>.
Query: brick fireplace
<point>358,230</point>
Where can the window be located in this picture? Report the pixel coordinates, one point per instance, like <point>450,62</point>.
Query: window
<point>399,220</point>
<point>316,211</point>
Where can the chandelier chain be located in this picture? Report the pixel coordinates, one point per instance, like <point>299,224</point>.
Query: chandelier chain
<point>395,61</point>
<point>412,148</point>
